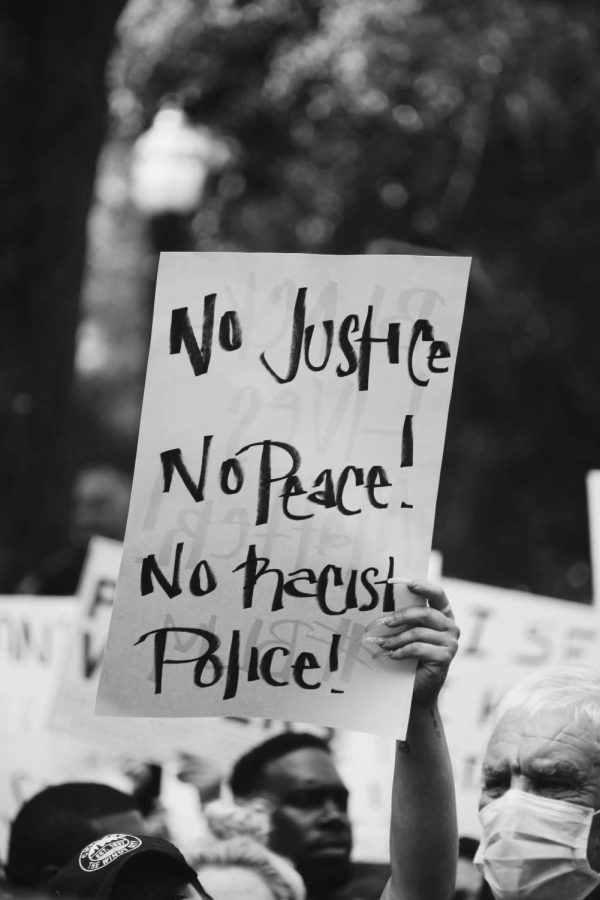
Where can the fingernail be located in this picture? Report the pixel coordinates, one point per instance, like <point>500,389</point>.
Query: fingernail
<point>386,620</point>
<point>400,581</point>
<point>373,640</point>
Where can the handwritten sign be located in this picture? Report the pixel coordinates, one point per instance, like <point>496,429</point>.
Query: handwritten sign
<point>288,462</point>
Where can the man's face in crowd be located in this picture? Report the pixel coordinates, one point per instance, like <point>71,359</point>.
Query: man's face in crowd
<point>99,505</point>
<point>548,755</point>
<point>310,822</point>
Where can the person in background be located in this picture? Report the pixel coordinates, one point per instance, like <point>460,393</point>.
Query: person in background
<point>540,801</point>
<point>296,776</point>
<point>469,880</point>
<point>295,772</point>
<point>99,506</point>
<point>125,866</point>
<point>55,824</point>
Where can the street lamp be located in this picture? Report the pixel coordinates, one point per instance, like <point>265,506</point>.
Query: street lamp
<point>169,167</point>
<point>170,164</point>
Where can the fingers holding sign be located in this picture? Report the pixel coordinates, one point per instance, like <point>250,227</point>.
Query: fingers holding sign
<point>425,632</point>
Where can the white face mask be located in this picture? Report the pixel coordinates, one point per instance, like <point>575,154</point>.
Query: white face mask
<point>534,848</point>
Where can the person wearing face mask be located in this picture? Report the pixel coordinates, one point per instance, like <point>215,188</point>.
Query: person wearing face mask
<point>540,803</point>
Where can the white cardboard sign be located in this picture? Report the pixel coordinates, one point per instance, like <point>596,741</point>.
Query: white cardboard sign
<point>33,631</point>
<point>288,463</point>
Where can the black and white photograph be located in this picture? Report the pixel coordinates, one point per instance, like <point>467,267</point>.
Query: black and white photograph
<point>300,450</point>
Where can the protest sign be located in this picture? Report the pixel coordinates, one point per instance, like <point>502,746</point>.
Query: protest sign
<point>32,632</point>
<point>71,709</point>
<point>288,463</point>
<point>593,492</point>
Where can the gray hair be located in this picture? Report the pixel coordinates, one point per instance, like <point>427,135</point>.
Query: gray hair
<point>572,689</point>
<point>278,873</point>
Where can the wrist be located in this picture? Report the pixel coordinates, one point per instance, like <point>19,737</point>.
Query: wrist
<point>425,720</point>
<point>424,706</point>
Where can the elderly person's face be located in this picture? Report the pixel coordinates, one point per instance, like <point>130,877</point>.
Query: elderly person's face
<point>548,755</point>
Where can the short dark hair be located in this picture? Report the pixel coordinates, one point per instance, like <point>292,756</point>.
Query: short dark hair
<point>55,824</point>
<point>248,770</point>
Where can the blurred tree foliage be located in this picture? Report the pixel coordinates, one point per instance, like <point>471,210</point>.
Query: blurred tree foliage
<point>471,127</point>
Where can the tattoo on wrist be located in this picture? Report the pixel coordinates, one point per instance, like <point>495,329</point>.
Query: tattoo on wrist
<point>436,725</point>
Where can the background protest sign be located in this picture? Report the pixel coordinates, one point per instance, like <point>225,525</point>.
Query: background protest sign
<point>288,462</point>
<point>593,492</point>
<point>32,632</point>
<point>71,709</point>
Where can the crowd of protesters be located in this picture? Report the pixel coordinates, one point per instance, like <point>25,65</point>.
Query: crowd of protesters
<point>284,832</point>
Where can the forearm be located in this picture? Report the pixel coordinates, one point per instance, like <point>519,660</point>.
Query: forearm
<point>423,836</point>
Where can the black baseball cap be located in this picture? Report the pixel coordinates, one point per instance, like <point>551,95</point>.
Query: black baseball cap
<point>93,872</point>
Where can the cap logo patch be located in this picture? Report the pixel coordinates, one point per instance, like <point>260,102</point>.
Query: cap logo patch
<point>105,850</point>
